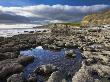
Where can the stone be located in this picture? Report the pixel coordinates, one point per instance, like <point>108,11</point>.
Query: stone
<point>32,78</point>
<point>82,75</point>
<point>70,53</point>
<point>56,77</point>
<point>88,62</point>
<point>45,69</point>
<point>8,67</point>
<point>12,66</point>
<point>54,47</point>
<point>10,55</point>
<point>15,78</point>
<point>61,44</point>
<point>102,70</point>
<point>24,60</point>
<point>68,45</point>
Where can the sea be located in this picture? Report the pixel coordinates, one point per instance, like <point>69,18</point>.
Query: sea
<point>11,30</point>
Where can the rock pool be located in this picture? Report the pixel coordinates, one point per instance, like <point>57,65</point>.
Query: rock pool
<point>57,58</point>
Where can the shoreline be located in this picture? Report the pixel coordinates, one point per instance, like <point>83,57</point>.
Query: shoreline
<point>16,31</point>
<point>94,56</point>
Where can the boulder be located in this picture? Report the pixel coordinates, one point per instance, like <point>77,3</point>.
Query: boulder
<point>101,70</point>
<point>60,44</point>
<point>2,56</point>
<point>8,67</point>
<point>15,78</point>
<point>82,75</point>
<point>24,60</point>
<point>8,55</point>
<point>11,55</point>
<point>87,73</point>
<point>45,69</point>
<point>32,78</point>
<point>54,47</point>
<point>70,53</point>
<point>12,66</point>
<point>2,39</point>
<point>6,49</point>
<point>97,57</point>
<point>68,45</point>
<point>91,61</point>
<point>56,77</point>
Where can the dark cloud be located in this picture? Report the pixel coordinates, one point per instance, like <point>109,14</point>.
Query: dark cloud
<point>7,18</point>
<point>42,14</point>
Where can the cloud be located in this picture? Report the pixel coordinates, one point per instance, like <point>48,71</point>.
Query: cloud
<point>46,13</point>
<point>7,18</point>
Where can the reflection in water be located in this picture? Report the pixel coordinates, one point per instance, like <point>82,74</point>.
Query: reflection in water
<point>56,58</point>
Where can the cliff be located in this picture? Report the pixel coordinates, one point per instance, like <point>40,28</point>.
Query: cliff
<point>97,19</point>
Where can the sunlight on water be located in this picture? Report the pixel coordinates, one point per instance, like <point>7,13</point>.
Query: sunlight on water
<point>39,47</point>
<point>10,30</point>
<point>10,26</point>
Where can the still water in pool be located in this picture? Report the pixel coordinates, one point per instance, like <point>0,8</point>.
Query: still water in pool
<point>57,58</point>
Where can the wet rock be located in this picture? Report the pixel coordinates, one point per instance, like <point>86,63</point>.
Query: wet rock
<point>32,78</point>
<point>60,44</point>
<point>45,46</point>
<point>54,47</point>
<point>5,49</point>
<point>97,80</point>
<point>86,48</point>
<point>56,77</point>
<point>10,44</point>
<point>45,69</point>
<point>11,66</point>
<point>70,53</point>
<point>82,75</point>
<point>31,32</point>
<point>89,62</point>
<point>15,78</point>
<point>87,73</point>
<point>102,70</point>
<point>11,55</point>
<point>25,31</point>
<point>1,39</point>
<point>32,41</point>
<point>24,46</point>
<point>24,60</point>
<point>68,45</point>
<point>8,55</point>
<point>2,56</point>
<point>99,57</point>
<point>8,67</point>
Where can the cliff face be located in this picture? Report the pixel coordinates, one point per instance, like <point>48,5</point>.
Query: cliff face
<point>97,19</point>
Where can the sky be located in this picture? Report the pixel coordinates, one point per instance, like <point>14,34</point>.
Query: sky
<point>48,11</point>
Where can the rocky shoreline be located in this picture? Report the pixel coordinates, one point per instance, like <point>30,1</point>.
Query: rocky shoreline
<point>94,46</point>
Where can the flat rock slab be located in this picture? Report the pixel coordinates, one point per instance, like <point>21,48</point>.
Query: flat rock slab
<point>12,66</point>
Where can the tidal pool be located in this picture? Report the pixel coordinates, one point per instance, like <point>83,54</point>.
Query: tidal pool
<point>57,58</point>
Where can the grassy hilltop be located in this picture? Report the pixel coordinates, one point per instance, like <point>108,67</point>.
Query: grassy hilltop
<point>97,19</point>
<point>72,23</point>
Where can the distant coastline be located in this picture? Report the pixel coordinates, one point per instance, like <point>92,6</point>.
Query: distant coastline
<point>17,26</point>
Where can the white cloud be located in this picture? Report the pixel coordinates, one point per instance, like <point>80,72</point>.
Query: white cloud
<point>53,13</point>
